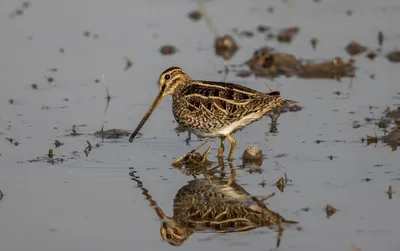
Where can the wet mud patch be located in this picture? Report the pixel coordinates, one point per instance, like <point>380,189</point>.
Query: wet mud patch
<point>266,62</point>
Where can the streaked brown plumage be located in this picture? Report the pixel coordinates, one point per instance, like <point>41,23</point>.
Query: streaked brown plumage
<point>216,204</point>
<point>212,109</point>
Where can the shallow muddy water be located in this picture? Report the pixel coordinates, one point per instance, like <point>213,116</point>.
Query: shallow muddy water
<point>91,202</point>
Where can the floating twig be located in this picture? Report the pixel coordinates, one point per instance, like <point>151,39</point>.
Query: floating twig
<point>88,148</point>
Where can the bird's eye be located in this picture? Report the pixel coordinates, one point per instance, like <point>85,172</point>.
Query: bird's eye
<point>167,77</point>
<point>169,236</point>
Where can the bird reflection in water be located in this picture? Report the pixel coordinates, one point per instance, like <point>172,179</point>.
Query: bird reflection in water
<point>215,204</point>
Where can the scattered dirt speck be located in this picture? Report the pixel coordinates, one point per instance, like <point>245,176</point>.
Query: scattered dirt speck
<point>168,50</point>
<point>371,55</point>
<point>314,42</point>
<point>195,15</point>
<point>263,28</point>
<point>355,48</point>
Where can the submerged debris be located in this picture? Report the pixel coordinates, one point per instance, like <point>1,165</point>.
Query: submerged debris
<point>1,195</point>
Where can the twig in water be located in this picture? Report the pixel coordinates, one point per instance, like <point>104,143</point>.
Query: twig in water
<point>88,148</point>
<point>108,98</point>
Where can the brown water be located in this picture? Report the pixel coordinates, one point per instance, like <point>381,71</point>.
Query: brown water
<point>90,203</point>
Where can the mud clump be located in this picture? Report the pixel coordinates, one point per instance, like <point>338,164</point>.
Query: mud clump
<point>383,123</point>
<point>354,48</point>
<point>225,47</point>
<point>393,138</point>
<point>266,62</point>
<point>168,50</point>
<point>252,159</point>
<point>334,69</point>
<point>394,57</point>
<point>392,113</point>
<point>286,35</point>
<point>330,210</point>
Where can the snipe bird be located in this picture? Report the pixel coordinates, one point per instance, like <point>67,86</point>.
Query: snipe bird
<point>212,109</point>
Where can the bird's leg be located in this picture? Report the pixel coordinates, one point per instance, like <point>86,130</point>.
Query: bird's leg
<point>221,148</point>
<point>233,146</point>
<point>226,69</point>
<point>232,177</point>
<point>206,153</point>
<point>189,137</point>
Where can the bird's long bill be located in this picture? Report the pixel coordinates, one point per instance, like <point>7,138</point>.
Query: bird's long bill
<point>153,106</point>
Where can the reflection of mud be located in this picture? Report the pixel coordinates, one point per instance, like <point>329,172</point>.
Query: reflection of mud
<point>216,204</point>
<point>392,138</point>
<point>266,62</point>
<point>51,160</point>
